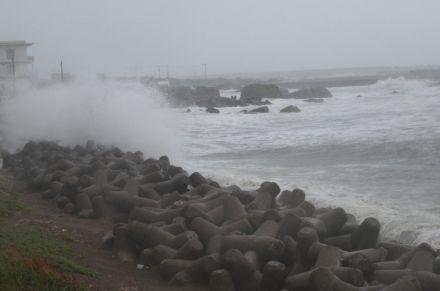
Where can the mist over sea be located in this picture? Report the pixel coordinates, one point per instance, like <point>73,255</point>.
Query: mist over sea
<point>375,155</point>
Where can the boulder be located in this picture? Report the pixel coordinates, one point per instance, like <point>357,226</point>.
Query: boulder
<point>212,110</point>
<point>316,92</point>
<point>284,91</point>
<point>214,102</point>
<point>263,109</point>
<point>183,96</point>
<point>202,96</point>
<point>206,92</point>
<point>253,93</point>
<point>314,100</point>
<point>290,108</point>
<point>210,97</point>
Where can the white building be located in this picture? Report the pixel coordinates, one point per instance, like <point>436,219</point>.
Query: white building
<point>14,59</point>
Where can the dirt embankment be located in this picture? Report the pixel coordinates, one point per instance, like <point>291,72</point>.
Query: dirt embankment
<point>84,236</point>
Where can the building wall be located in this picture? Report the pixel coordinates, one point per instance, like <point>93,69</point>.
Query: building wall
<point>20,52</point>
<point>23,64</point>
<point>5,70</point>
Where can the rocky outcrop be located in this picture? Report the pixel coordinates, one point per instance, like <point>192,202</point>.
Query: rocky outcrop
<point>183,96</point>
<point>180,96</point>
<point>314,100</point>
<point>206,92</point>
<point>317,92</point>
<point>209,97</point>
<point>289,109</point>
<point>254,93</point>
<point>284,91</point>
<point>212,110</point>
<point>263,109</point>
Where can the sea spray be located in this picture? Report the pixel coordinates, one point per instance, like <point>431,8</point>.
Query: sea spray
<point>127,115</point>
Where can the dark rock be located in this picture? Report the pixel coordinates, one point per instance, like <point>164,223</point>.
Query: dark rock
<point>395,92</point>
<point>207,92</point>
<point>212,110</point>
<point>202,96</point>
<point>284,91</point>
<point>253,93</point>
<point>181,96</point>
<point>314,100</point>
<point>188,110</point>
<point>317,92</point>
<point>290,108</point>
<point>263,109</point>
<point>210,97</point>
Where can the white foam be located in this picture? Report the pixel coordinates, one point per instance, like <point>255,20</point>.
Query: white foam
<point>376,155</point>
<point>123,114</point>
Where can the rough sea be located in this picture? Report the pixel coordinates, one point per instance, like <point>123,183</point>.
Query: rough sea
<point>373,150</point>
<point>374,155</point>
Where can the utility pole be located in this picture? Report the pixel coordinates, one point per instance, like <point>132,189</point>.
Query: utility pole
<point>61,71</point>
<point>10,54</point>
<point>158,70</point>
<point>168,72</point>
<point>13,66</point>
<point>13,76</point>
<point>205,71</point>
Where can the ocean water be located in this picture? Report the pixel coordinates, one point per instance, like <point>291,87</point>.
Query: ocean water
<point>376,155</point>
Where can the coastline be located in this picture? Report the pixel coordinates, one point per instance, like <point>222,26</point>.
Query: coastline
<point>189,225</point>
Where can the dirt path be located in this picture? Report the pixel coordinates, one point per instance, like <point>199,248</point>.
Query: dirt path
<point>84,235</point>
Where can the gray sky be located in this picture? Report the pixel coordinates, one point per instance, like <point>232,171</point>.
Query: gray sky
<point>228,35</point>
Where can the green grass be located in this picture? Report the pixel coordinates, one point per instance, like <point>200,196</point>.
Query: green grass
<point>18,274</point>
<point>30,257</point>
<point>34,242</point>
<point>8,199</point>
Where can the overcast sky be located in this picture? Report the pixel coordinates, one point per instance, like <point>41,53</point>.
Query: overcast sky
<point>228,35</point>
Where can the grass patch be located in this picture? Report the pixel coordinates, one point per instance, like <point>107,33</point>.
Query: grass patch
<point>34,242</point>
<point>18,273</point>
<point>8,199</point>
<point>30,257</point>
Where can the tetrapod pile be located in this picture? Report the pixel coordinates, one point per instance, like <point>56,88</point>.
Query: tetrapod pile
<point>195,230</point>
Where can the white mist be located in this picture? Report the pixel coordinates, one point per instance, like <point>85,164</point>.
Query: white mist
<point>127,115</point>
